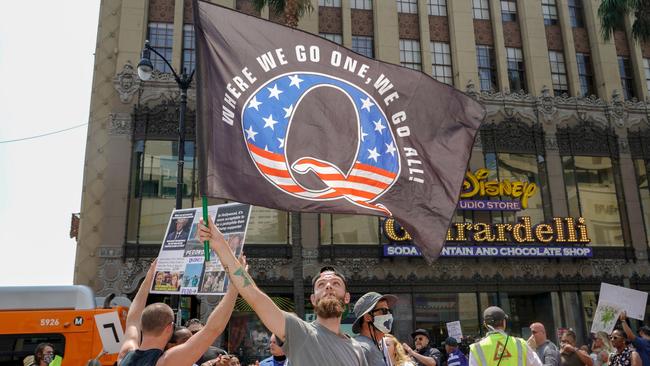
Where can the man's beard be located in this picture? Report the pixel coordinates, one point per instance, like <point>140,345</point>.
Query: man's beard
<point>329,307</point>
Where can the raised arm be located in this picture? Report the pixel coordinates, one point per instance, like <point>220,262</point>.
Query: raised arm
<point>133,317</point>
<point>628,331</point>
<point>199,343</point>
<point>265,308</point>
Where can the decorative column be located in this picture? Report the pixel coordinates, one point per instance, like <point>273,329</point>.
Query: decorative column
<point>499,46</point>
<point>462,42</point>
<point>535,49</point>
<point>603,54</point>
<point>387,36</point>
<point>570,60</point>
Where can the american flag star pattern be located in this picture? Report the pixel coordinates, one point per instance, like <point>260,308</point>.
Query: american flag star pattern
<point>266,119</point>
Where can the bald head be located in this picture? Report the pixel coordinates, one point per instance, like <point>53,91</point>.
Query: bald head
<point>539,333</point>
<point>155,318</point>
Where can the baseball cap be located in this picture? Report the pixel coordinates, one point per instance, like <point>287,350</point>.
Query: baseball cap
<point>493,315</point>
<point>451,341</point>
<point>420,332</point>
<point>329,269</point>
<point>366,303</point>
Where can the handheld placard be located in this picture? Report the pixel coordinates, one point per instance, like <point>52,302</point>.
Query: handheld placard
<point>206,243</point>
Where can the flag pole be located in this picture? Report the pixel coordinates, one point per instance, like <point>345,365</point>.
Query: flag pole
<point>206,243</point>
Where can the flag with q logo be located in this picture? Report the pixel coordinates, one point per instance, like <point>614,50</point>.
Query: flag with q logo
<point>291,121</point>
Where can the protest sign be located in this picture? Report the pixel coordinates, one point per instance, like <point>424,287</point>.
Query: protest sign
<point>181,268</point>
<point>605,318</point>
<point>454,330</point>
<point>631,301</point>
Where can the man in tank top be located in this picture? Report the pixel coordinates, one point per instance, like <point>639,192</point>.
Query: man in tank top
<point>156,322</point>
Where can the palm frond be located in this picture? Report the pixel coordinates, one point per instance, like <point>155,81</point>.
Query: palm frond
<point>612,14</point>
<point>641,26</point>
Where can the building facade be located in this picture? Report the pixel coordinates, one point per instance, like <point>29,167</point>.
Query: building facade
<point>567,111</point>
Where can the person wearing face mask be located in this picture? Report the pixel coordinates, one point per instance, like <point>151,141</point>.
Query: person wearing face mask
<point>44,355</point>
<point>373,321</point>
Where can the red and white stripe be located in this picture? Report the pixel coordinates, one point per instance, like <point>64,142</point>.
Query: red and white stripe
<point>364,183</point>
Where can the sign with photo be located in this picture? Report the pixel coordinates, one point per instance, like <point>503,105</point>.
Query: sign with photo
<point>181,268</point>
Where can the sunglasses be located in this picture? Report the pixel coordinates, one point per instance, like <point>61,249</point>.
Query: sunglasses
<point>383,311</point>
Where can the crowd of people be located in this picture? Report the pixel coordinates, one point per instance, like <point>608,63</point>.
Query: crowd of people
<point>152,338</point>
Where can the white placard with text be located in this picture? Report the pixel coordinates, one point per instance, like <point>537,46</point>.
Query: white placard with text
<point>631,301</point>
<point>454,330</point>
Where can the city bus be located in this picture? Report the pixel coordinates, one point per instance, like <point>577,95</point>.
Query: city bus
<point>66,317</point>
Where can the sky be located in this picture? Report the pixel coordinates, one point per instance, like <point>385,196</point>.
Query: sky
<point>46,64</point>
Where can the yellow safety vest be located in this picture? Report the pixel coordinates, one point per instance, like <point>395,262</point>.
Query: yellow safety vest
<point>489,349</point>
<point>56,361</point>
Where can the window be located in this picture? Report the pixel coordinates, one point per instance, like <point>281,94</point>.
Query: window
<point>549,9</point>
<point>363,45</point>
<point>437,7</point>
<point>558,73</point>
<point>486,68</point>
<point>332,3</point>
<point>268,226</point>
<point>15,347</point>
<point>516,70</point>
<point>409,54</point>
<point>641,167</point>
<point>591,193</point>
<point>433,311</point>
<point>481,9</point>
<point>361,4</point>
<point>585,74</point>
<point>407,6</point>
<point>189,54</point>
<point>441,61</point>
<point>154,187</point>
<point>646,68</point>
<point>336,38</point>
<point>576,14</point>
<point>516,167</point>
<point>508,10</point>
<point>161,37</point>
<point>627,79</point>
<point>349,229</point>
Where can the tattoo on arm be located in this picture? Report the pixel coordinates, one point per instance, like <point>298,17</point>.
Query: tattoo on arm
<point>241,273</point>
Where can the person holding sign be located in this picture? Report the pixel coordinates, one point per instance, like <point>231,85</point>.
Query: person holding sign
<point>624,355</point>
<point>641,343</point>
<point>156,323</point>
<point>454,355</point>
<point>319,343</point>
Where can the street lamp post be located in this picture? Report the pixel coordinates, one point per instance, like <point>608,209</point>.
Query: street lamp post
<point>145,69</point>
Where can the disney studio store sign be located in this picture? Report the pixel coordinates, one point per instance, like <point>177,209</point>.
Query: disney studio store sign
<point>560,237</point>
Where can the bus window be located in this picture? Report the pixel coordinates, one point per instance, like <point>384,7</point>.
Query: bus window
<point>15,347</point>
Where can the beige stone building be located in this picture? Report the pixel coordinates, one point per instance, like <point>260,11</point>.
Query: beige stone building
<point>566,110</point>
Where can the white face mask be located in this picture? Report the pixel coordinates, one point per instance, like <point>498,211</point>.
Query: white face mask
<point>48,359</point>
<point>383,323</point>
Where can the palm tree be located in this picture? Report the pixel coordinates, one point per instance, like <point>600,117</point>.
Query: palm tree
<point>613,12</point>
<point>292,9</point>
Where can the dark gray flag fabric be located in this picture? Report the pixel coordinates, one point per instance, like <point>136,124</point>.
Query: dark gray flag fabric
<point>292,121</point>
